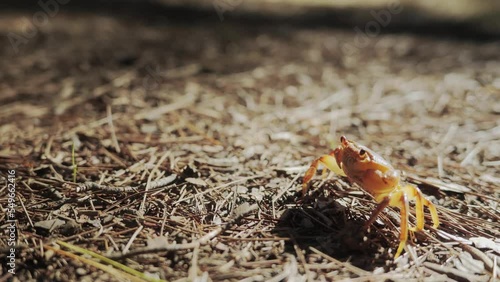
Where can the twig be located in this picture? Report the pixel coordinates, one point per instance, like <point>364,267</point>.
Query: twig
<point>453,272</point>
<point>148,184</point>
<point>193,269</point>
<point>289,272</point>
<point>470,156</point>
<point>175,247</point>
<point>24,209</point>
<point>153,185</point>
<point>112,128</point>
<point>220,187</point>
<point>153,114</point>
<point>132,238</point>
<point>284,190</point>
<point>255,239</point>
<point>348,266</point>
<point>302,259</point>
<point>488,263</point>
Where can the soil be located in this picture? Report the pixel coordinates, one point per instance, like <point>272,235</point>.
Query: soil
<point>191,137</point>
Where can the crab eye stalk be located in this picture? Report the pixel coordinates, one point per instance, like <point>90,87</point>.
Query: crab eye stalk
<point>362,153</point>
<point>343,140</point>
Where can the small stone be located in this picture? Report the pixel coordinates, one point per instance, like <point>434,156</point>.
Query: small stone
<point>81,271</point>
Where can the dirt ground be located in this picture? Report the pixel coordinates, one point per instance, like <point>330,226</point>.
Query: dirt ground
<point>191,137</point>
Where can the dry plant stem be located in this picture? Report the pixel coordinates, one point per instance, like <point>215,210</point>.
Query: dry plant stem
<point>255,239</point>
<point>302,259</point>
<point>347,265</point>
<point>283,191</point>
<point>129,243</point>
<point>181,103</point>
<point>152,185</point>
<point>488,263</point>
<point>175,247</point>
<point>25,211</point>
<point>112,127</point>
<point>495,267</point>
<point>193,269</point>
<point>107,268</point>
<point>197,130</point>
<point>381,277</point>
<point>453,272</point>
<point>289,270</point>
<point>148,184</point>
<point>94,124</point>
<point>220,187</point>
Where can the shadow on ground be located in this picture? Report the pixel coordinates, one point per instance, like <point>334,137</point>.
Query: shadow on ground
<point>328,226</point>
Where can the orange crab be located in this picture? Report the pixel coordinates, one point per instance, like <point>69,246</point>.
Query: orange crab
<point>377,177</point>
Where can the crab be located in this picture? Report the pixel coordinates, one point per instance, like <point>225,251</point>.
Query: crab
<point>377,177</point>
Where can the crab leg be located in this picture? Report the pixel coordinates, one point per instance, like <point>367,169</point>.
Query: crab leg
<point>432,210</point>
<point>414,192</point>
<point>403,236</point>
<point>398,198</point>
<point>381,206</point>
<point>328,161</point>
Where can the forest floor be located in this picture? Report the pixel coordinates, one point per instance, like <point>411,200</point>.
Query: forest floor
<point>191,138</point>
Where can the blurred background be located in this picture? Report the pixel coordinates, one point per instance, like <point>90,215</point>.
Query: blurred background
<point>462,16</point>
<point>472,16</point>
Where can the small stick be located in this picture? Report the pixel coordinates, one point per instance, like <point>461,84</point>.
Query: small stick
<point>112,127</point>
<point>125,250</point>
<point>112,189</point>
<point>350,267</point>
<point>194,244</point>
<point>453,273</point>
<point>488,263</point>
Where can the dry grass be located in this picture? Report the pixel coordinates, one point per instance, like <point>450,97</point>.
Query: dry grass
<point>192,171</point>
